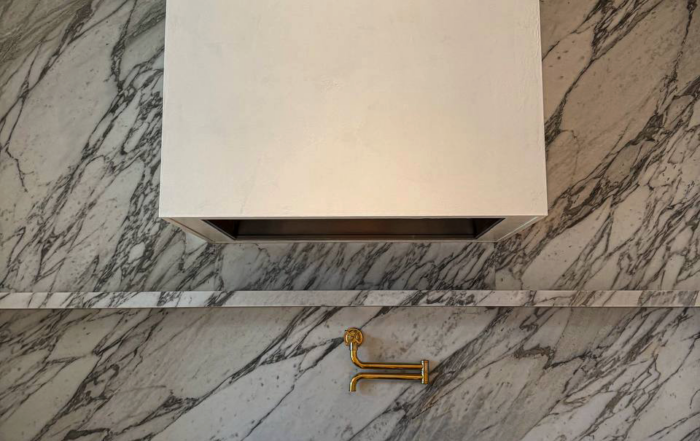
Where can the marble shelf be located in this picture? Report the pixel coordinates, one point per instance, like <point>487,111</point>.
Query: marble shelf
<point>369,298</point>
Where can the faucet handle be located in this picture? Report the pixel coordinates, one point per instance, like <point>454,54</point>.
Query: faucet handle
<point>353,335</point>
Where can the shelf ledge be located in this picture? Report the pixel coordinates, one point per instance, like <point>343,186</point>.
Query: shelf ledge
<point>374,298</point>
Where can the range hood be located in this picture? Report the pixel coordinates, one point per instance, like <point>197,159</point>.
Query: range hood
<point>352,120</point>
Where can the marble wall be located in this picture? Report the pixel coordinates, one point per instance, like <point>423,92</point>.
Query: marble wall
<point>80,126</point>
<point>282,374</point>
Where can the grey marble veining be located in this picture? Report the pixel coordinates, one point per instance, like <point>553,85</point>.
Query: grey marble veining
<point>80,127</point>
<point>252,299</point>
<point>621,83</point>
<point>282,373</point>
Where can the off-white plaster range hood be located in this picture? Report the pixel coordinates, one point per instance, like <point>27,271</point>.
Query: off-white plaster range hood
<point>353,119</point>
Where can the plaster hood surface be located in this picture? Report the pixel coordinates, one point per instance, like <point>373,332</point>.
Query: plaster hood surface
<point>353,120</point>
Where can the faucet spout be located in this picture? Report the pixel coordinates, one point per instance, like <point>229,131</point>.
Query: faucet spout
<point>372,376</point>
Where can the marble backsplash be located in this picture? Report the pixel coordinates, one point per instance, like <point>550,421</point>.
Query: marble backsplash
<point>265,374</point>
<point>80,126</point>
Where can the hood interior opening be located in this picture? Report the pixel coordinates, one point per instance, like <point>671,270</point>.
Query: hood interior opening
<point>354,229</point>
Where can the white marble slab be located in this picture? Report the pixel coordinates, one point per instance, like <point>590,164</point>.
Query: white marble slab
<point>244,299</point>
<point>80,127</point>
<point>282,374</point>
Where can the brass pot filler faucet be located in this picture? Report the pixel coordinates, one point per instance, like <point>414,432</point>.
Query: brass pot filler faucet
<point>354,338</point>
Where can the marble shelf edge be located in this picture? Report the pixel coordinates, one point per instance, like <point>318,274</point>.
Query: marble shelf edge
<point>427,298</point>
